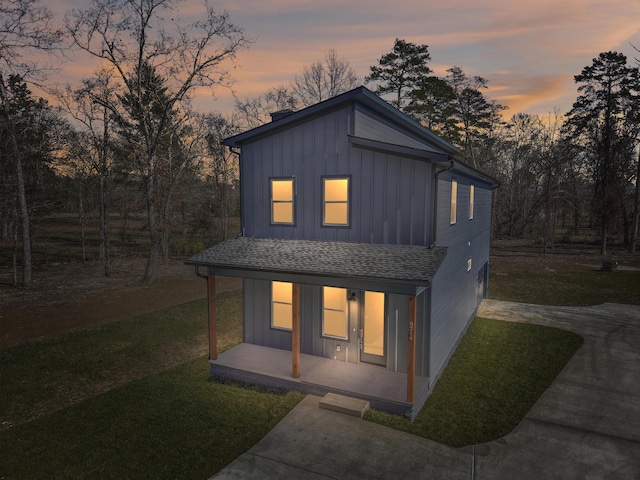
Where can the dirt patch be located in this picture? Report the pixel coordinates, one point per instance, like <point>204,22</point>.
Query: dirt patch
<point>69,297</point>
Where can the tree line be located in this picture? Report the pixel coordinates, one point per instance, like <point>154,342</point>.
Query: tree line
<point>127,138</point>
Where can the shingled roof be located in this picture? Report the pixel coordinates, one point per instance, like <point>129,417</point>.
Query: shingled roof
<point>414,264</point>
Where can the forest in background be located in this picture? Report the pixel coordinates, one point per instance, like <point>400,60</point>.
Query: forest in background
<point>122,164</point>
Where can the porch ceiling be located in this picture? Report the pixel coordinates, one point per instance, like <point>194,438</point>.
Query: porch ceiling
<point>409,265</point>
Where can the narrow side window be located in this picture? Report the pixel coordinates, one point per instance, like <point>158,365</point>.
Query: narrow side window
<point>472,194</point>
<point>454,200</point>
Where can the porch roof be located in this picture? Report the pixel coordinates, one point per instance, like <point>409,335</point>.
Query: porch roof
<point>401,264</point>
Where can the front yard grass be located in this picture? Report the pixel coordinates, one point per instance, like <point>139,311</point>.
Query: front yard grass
<point>174,424</point>
<point>495,376</point>
<point>123,419</point>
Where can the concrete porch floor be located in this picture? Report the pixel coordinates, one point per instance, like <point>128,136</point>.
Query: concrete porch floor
<point>384,389</point>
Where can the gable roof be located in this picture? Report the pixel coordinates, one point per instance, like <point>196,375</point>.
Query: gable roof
<point>409,264</point>
<point>360,95</point>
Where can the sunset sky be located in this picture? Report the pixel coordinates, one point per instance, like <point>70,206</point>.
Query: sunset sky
<point>529,51</point>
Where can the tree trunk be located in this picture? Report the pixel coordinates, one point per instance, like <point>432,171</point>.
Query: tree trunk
<point>24,214</point>
<point>636,212</point>
<point>154,237</point>
<point>104,227</point>
<point>82,222</point>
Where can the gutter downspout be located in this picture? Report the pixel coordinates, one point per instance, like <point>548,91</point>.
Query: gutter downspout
<point>435,201</point>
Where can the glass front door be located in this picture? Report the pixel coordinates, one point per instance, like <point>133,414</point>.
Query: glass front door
<point>372,329</point>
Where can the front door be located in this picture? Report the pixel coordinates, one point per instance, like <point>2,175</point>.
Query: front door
<point>372,329</point>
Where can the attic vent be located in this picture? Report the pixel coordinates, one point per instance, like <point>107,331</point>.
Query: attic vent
<point>281,114</point>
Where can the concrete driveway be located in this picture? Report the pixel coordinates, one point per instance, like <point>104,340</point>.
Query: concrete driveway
<point>585,426</point>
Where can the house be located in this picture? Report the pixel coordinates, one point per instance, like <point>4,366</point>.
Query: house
<point>364,253</point>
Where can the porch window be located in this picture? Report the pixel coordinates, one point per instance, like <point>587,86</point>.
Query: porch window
<point>282,204</point>
<point>281,305</point>
<point>334,312</point>
<point>454,200</point>
<point>335,201</point>
<point>472,194</point>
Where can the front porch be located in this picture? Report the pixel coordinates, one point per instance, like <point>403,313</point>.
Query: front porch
<point>271,367</point>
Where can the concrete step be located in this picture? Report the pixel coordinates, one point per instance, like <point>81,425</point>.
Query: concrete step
<point>342,404</point>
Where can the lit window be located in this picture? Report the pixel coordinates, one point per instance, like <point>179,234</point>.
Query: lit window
<point>454,200</point>
<point>335,201</point>
<point>281,305</point>
<point>334,312</point>
<point>472,194</point>
<point>468,265</point>
<point>282,200</point>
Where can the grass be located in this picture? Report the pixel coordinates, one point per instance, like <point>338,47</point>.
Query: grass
<point>567,288</point>
<point>495,376</point>
<point>174,424</point>
<point>94,404</point>
<point>41,377</point>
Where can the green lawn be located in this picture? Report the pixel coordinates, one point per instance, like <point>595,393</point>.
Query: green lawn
<point>495,376</point>
<point>567,288</point>
<point>93,405</point>
<point>174,424</point>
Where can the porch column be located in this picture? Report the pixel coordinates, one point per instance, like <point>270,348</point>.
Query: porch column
<point>295,331</point>
<point>211,299</point>
<point>411,349</point>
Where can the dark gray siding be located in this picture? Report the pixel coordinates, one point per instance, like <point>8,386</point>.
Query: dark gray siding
<point>454,289</point>
<point>369,125</point>
<point>258,331</point>
<point>390,195</point>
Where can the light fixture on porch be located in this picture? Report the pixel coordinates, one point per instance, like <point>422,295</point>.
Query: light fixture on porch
<point>352,297</point>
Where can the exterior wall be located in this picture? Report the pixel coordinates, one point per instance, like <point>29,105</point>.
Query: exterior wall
<point>258,331</point>
<point>390,195</point>
<point>454,294</point>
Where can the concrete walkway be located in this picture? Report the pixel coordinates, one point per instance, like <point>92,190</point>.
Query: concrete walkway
<point>585,426</point>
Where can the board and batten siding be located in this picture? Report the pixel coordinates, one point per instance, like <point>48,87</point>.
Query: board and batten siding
<point>390,195</point>
<point>454,297</point>
<point>258,331</point>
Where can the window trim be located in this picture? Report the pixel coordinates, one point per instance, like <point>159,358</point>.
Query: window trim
<point>276,327</point>
<point>346,315</point>
<point>453,214</point>
<point>348,201</point>
<point>472,200</point>
<point>293,202</point>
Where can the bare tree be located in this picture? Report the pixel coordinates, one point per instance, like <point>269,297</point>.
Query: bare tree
<point>223,168</point>
<point>145,41</point>
<point>91,107</point>
<point>256,111</point>
<point>324,79</point>
<point>25,27</point>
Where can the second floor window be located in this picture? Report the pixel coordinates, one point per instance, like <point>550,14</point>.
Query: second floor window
<point>282,201</point>
<point>335,201</point>
<point>454,200</point>
<point>472,195</point>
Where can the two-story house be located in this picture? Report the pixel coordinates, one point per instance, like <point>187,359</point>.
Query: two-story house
<point>364,253</point>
